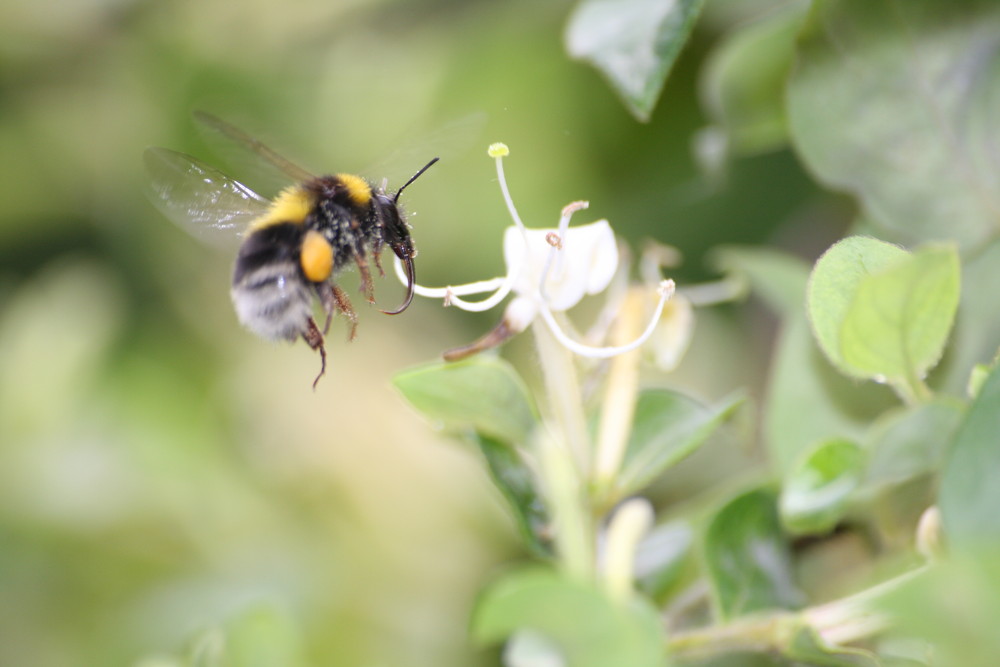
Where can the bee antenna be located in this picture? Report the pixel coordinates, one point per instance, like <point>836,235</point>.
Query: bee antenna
<point>413,178</point>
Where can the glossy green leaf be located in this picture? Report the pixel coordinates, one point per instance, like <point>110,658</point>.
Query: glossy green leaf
<point>834,284</point>
<point>667,427</point>
<point>589,628</point>
<point>518,485</point>
<point>633,43</point>
<point>816,491</point>
<point>970,491</point>
<point>748,558</point>
<point>896,104</point>
<point>483,394</point>
<point>743,83</point>
<point>909,442</point>
<point>898,323</point>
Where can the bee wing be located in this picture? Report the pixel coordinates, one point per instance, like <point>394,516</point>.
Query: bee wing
<point>446,141</point>
<point>262,165</point>
<point>200,199</point>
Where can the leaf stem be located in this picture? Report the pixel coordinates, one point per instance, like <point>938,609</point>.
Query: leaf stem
<point>839,622</point>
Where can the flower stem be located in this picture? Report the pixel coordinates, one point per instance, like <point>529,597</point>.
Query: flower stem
<point>565,457</point>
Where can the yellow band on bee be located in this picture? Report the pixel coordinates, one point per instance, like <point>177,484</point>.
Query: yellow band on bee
<point>357,188</point>
<point>293,204</point>
<point>316,257</point>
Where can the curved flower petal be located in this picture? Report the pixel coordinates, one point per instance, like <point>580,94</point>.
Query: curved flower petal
<point>584,261</point>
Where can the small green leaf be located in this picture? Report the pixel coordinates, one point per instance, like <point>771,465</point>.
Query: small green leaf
<point>667,427</point>
<point>748,559</point>
<point>486,395</point>
<point>589,628</point>
<point>909,442</point>
<point>816,491</point>
<point>899,320</point>
<point>743,83</point>
<point>634,43</point>
<point>833,287</point>
<point>517,484</point>
<point>970,492</point>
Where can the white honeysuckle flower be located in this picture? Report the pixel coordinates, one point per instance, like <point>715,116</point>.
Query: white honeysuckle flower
<point>549,271</point>
<point>585,263</point>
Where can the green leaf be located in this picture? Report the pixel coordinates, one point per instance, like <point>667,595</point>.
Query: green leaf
<point>517,484</point>
<point>634,43</point>
<point>748,559</point>
<point>590,629</point>
<point>809,648</point>
<point>807,400</point>
<point>815,492</point>
<point>661,556</point>
<point>743,83</point>
<point>955,605</point>
<point>880,313</point>
<point>834,284</point>
<point>776,277</point>
<point>970,492</point>
<point>483,394</point>
<point>909,442</point>
<point>977,328</point>
<point>898,323</point>
<point>896,104</point>
<point>667,427</point>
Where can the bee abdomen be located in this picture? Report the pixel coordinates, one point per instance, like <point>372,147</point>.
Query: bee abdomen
<point>271,297</point>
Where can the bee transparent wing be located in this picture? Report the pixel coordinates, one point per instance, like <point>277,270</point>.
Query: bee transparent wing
<point>200,199</point>
<point>446,141</point>
<point>262,166</point>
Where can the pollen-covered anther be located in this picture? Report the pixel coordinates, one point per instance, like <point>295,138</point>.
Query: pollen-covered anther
<point>572,207</point>
<point>553,240</point>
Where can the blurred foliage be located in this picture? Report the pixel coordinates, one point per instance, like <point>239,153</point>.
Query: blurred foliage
<point>173,492</point>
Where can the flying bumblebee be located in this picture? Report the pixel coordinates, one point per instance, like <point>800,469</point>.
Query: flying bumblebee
<point>292,246</point>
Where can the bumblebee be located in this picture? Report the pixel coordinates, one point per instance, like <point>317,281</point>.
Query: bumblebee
<point>292,246</point>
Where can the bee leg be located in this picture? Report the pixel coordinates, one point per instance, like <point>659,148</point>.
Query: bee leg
<point>343,304</point>
<point>314,338</point>
<point>326,299</point>
<point>367,286</point>
<point>377,254</point>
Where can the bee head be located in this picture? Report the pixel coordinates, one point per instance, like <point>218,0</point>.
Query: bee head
<point>396,235</point>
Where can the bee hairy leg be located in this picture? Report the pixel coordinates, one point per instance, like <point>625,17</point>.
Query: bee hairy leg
<point>343,304</point>
<point>367,285</point>
<point>377,254</point>
<point>314,339</point>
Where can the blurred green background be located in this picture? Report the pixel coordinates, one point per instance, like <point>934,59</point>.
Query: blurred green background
<point>164,474</point>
